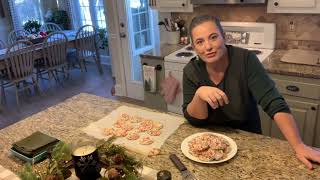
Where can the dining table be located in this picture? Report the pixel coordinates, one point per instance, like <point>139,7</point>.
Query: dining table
<point>257,157</point>
<point>38,54</point>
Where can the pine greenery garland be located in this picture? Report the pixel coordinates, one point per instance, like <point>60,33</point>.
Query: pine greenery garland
<point>112,158</point>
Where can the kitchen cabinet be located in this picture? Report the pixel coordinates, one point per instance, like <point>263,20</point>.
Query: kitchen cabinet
<point>171,5</point>
<point>303,97</point>
<point>294,6</point>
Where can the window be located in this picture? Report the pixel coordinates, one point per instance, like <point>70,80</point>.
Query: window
<point>91,12</point>
<point>99,9</point>
<point>141,23</point>
<point>24,10</point>
<point>140,15</point>
<point>84,10</point>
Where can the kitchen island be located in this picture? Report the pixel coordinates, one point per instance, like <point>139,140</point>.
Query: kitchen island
<point>258,157</point>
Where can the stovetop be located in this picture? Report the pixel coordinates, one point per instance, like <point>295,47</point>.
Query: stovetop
<point>257,37</point>
<point>185,54</point>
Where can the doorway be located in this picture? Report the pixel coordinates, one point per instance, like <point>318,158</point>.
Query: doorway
<point>131,32</point>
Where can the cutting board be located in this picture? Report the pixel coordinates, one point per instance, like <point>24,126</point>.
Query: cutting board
<point>299,56</point>
<point>170,124</point>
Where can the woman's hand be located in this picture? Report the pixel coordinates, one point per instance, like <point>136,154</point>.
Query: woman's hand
<point>212,95</point>
<point>306,154</point>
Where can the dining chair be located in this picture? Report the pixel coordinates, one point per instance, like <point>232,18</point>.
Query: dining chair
<point>87,47</point>
<point>16,35</point>
<point>50,27</point>
<point>54,50</point>
<point>19,64</point>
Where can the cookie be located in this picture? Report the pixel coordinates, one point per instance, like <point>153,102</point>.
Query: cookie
<point>146,141</point>
<point>133,136</point>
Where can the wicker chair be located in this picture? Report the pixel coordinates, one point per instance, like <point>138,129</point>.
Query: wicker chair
<point>50,27</point>
<point>19,68</point>
<point>86,46</point>
<point>16,35</point>
<point>54,51</point>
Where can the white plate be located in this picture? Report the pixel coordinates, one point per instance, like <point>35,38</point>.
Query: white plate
<point>185,148</point>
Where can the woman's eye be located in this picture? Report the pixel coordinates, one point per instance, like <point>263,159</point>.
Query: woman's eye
<point>213,37</point>
<point>199,42</point>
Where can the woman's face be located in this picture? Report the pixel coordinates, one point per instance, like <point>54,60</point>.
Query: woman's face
<point>208,42</point>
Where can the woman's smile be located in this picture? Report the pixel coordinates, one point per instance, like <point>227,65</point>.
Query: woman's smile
<point>211,54</point>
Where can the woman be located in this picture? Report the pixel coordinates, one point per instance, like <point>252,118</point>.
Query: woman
<point>224,84</point>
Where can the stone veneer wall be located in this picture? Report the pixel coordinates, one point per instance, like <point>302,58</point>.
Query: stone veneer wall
<point>306,34</point>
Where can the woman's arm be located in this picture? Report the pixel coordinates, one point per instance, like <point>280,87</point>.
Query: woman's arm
<point>196,99</point>
<point>194,108</point>
<point>198,108</point>
<point>206,94</point>
<point>288,127</point>
<point>263,89</point>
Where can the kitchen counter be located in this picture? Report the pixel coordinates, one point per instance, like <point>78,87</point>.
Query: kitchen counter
<point>258,156</point>
<point>274,65</point>
<point>162,51</point>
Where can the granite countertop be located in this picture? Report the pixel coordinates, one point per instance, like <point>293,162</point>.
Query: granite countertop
<point>274,65</point>
<point>258,157</point>
<point>162,51</point>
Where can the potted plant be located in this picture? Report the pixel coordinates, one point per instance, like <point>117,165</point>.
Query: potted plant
<point>59,17</point>
<point>102,32</point>
<point>32,26</point>
<point>103,41</point>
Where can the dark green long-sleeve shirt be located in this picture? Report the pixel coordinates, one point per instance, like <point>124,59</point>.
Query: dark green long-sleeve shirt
<point>245,83</point>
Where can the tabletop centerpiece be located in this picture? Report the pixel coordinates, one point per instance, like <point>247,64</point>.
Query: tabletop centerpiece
<point>114,159</point>
<point>33,27</point>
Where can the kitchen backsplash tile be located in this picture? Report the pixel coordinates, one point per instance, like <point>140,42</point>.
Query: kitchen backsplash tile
<point>302,33</point>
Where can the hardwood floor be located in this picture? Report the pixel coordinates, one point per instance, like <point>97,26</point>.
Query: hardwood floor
<point>89,82</point>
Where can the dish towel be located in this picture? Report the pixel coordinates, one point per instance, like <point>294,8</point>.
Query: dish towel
<point>150,78</point>
<point>170,88</point>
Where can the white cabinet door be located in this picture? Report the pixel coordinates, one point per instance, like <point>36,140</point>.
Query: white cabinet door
<point>265,122</point>
<point>171,5</point>
<point>293,6</point>
<point>305,115</point>
<point>295,3</point>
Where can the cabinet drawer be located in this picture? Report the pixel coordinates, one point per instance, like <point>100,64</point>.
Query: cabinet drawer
<point>299,89</point>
